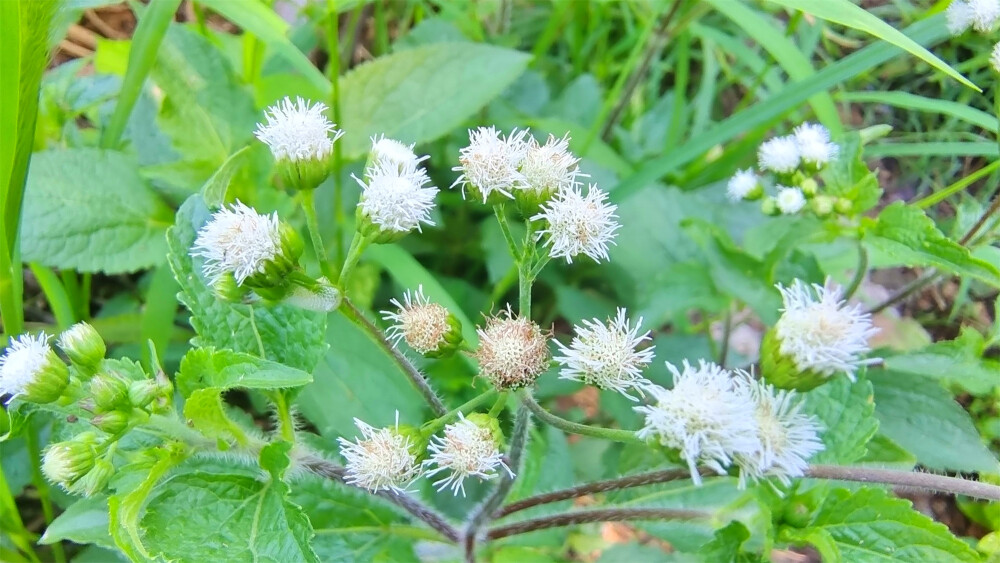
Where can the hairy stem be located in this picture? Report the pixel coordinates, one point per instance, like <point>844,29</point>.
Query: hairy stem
<point>330,470</point>
<point>624,436</point>
<point>333,69</point>
<point>640,480</point>
<point>309,206</point>
<point>285,424</point>
<point>587,516</point>
<point>859,273</point>
<point>926,481</point>
<point>411,371</point>
<point>501,214</point>
<point>438,423</point>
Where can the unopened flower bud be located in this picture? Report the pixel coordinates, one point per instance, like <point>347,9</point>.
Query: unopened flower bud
<point>426,327</point>
<point>66,462</point>
<point>96,480</point>
<point>513,351</point>
<point>109,392</point>
<point>111,422</point>
<point>31,370</point>
<point>822,205</point>
<point>469,448</point>
<point>84,347</point>
<point>319,296</point>
<point>225,288</point>
<point>299,136</point>
<point>769,206</point>
<point>809,187</point>
<point>844,206</point>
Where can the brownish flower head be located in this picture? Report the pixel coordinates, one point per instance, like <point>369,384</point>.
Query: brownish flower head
<point>513,351</point>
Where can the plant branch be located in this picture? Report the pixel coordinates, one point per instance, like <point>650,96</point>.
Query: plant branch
<point>588,516</point>
<point>926,481</point>
<point>312,223</point>
<point>438,423</point>
<point>859,274</point>
<point>624,436</point>
<point>631,481</point>
<point>907,290</point>
<point>411,371</point>
<point>982,221</point>
<point>501,214</point>
<point>332,471</point>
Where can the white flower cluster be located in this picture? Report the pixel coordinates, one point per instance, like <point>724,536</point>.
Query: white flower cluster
<point>607,355</point>
<point>981,15</point>
<point>239,241</point>
<point>22,362</point>
<point>298,131</point>
<point>418,321</point>
<point>809,144</point>
<point>394,194</point>
<point>579,224</point>
<point>717,418</point>
<point>385,459</point>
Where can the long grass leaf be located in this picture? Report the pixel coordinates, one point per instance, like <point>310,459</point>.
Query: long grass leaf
<point>906,100</point>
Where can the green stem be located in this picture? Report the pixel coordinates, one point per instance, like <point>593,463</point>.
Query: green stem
<point>499,405</point>
<point>358,245</point>
<point>42,487</point>
<point>615,435</point>
<point>312,222</point>
<point>285,423</point>
<point>498,210</point>
<point>55,294</point>
<point>859,274</point>
<point>438,423</point>
<point>333,70</point>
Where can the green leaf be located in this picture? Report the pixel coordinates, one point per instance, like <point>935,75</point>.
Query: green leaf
<point>84,522</point>
<point>846,412</point>
<point>936,106</point>
<point>420,94</point>
<point>357,379</point>
<point>88,209</point>
<point>846,13</point>
<point>727,545</point>
<point>125,509</point>
<point>868,525</point>
<point>205,411</point>
<point>922,417</point>
<point>214,190</point>
<point>225,369</point>
<point>191,517</point>
<point>959,362</point>
<point>285,334</point>
<point>907,235</point>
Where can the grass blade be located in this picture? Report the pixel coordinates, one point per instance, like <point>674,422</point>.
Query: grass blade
<point>906,100</point>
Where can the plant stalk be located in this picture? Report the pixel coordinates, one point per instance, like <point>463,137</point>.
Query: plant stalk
<point>312,222</point>
<point>911,479</point>
<point>588,516</point>
<point>615,435</point>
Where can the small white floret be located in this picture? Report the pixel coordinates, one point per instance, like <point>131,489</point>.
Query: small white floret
<point>779,155</point>
<point>491,163</point>
<point>742,184</point>
<point>395,153</point>
<point>549,167</point>
<point>995,57</point>
<point>790,200</point>
<point>396,197</point>
<point>22,362</point>
<point>579,224</point>
<point>814,144</point>
<point>607,354</point>
<point>422,324</point>
<point>298,131</point>
<point>821,332</point>
<point>380,460</point>
<point>466,450</point>
<point>239,241</point>
<point>985,14</point>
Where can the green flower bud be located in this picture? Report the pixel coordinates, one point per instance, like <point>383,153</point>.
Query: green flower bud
<point>769,206</point>
<point>151,393</point>
<point>822,205</point>
<point>226,289</point>
<point>66,462</point>
<point>780,370</point>
<point>84,347</point>
<point>96,480</point>
<point>31,370</point>
<point>418,442</point>
<point>111,422</point>
<point>844,206</point>
<point>109,392</point>
<point>809,187</point>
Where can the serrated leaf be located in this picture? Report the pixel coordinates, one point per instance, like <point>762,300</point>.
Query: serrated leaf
<point>420,94</point>
<point>89,210</point>
<point>846,412</point>
<point>922,417</point>
<point>287,335</point>
<point>224,369</point>
<point>960,362</point>
<point>214,190</point>
<point>125,509</point>
<point>727,545</point>
<point>204,410</point>
<point>191,517</point>
<point>907,235</point>
<point>868,525</point>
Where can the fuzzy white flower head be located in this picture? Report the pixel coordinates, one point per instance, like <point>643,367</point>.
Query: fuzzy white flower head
<point>780,155</point>
<point>995,57</point>
<point>707,415</point>
<point>959,17</point>
<point>579,224</point>
<point>491,162</point>
<point>394,152</point>
<point>788,438</point>
<point>395,198</point>
<point>513,351</point>
<point>820,332</point>
<point>742,184</point>
<point>239,241</point>
<point>605,354</point>
<point>790,200</point>
<point>380,460</point>
<point>466,450</point>
<point>22,362</point>
<point>814,144</point>
<point>422,324</point>
<point>549,167</point>
<point>984,14</point>
<point>298,131</point>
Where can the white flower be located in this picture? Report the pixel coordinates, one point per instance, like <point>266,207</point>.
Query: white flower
<point>23,362</point>
<point>238,241</point>
<point>959,17</point>
<point>814,144</point>
<point>394,198</point>
<point>742,184</point>
<point>550,167</point>
<point>380,460</point>
<point>396,153</point>
<point>466,450</point>
<point>790,200</point>
<point>788,438</point>
<point>491,162</point>
<point>780,154</point>
<point>513,351</point>
<point>605,355</point>
<point>985,14</point>
<point>579,224</point>
<point>820,332</point>
<point>298,130</point>
<point>707,415</point>
<point>422,324</point>
<point>995,57</point>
